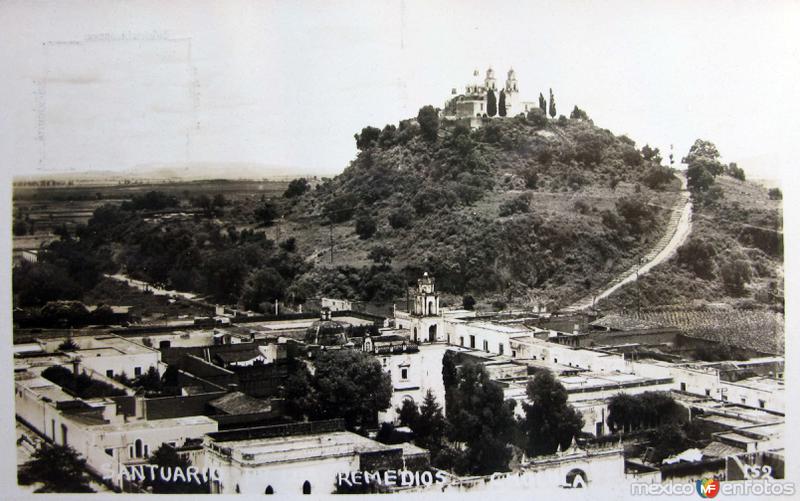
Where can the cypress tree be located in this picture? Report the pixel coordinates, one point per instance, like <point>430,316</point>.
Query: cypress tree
<point>491,103</point>
<point>552,105</point>
<point>502,105</point>
<point>542,104</point>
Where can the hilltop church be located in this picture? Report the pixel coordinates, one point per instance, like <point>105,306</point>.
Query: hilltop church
<point>473,103</point>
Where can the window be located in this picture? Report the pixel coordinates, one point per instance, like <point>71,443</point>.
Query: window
<point>724,397</point>
<point>137,448</point>
<point>461,340</point>
<point>269,490</point>
<point>485,345</point>
<point>472,341</point>
<point>744,401</point>
<point>708,392</point>
<point>514,354</point>
<point>761,403</point>
<point>555,360</point>
<point>404,373</point>
<point>110,452</point>
<point>64,434</point>
<point>110,373</point>
<point>501,348</point>
<point>683,386</point>
<point>137,371</point>
<point>306,487</point>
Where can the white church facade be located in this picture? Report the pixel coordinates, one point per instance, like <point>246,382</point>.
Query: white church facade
<point>474,102</point>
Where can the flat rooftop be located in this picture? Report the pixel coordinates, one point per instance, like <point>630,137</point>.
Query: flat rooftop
<point>155,424</point>
<point>315,447</point>
<point>507,329</point>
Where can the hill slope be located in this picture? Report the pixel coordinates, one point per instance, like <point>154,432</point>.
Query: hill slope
<point>515,211</point>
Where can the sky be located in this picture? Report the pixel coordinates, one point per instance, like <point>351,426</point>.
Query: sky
<point>123,84</point>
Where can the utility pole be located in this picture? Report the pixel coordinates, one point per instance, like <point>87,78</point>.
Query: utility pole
<point>638,305</point>
<point>330,227</point>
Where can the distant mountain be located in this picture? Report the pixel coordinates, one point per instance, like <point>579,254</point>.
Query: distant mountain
<point>189,172</point>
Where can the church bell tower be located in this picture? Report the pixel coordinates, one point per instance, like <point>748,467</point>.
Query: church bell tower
<point>426,299</point>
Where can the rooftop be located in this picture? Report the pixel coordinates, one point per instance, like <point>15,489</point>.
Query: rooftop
<point>316,447</point>
<point>155,424</point>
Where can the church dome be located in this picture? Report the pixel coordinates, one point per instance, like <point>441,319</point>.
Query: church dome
<point>327,332</point>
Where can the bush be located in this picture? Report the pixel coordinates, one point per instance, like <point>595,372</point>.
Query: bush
<point>365,227</point>
<point>657,177</point>
<point>735,171</point>
<point>775,194</point>
<point>537,117</point>
<point>578,114</point>
<point>698,256</point>
<point>735,276</point>
<point>468,302</point>
<point>296,188</point>
<point>341,208</point>
<point>399,219</point>
<point>581,206</point>
<point>521,203</point>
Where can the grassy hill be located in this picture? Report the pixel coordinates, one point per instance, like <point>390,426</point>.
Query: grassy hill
<point>521,211</point>
<point>733,259</point>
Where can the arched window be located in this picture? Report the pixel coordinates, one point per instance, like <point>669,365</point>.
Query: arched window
<point>137,448</point>
<point>269,490</point>
<point>306,487</point>
<point>238,491</point>
<point>576,478</point>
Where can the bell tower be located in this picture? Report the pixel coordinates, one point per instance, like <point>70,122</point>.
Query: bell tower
<point>490,80</point>
<point>426,299</point>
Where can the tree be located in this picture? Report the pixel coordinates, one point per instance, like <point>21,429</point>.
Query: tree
<point>381,255</point>
<point>263,286</point>
<point>651,154</point>
<point>549,420</point>
<point>68,345</point>
<point>59,467</point>
<point>734,171</point>
<point>346,384</point>
<point>703,165</point>
<point>368,137</point>
<point>542,104</point>
<point>668,440</point>
<point>645,410</point>
<point>698,255</point>
<point>735,275</point>
<point>296,188</point>
<point>578,114</point>
<point>428,120</point>
<point>468,302</point>
<point>491,103</point>
<point>408,414</point>
<point>481,419</point>
<point>168,461</point>
<point>365,227</point>
<point>552,104</point>
<point>266,213</point>
<point>502,104</point>
<point>775,194</point>
<point>537,117</point>
<point>429,425</point>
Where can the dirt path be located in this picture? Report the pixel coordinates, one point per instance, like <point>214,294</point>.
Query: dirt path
<point>678,229</point>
